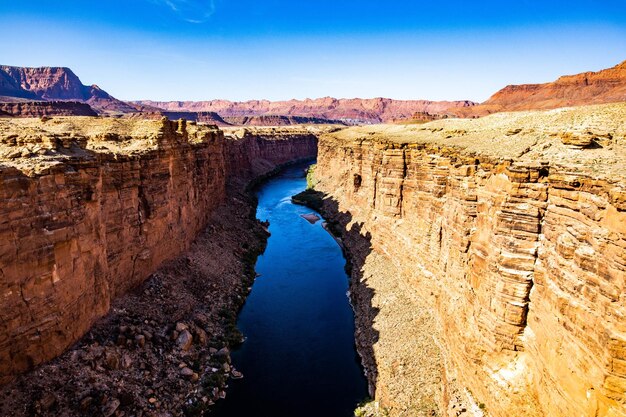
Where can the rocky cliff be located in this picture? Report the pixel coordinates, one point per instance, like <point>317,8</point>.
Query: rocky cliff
<point>91,207</point>
<point>54,84</point>
<point>489,260</point>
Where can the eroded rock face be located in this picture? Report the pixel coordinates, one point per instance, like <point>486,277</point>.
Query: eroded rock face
<point>89,208</point>
<point>519,256</point>
<point>81,227</point>
<point>273,120</point>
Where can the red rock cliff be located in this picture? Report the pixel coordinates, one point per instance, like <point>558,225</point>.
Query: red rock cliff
<point>55,83</point>
<point>89,208</point>
<point>511,237</point>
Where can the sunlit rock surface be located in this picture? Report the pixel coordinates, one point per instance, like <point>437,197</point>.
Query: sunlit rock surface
<point>510,238</point>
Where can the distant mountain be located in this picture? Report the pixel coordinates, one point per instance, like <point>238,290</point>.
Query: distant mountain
<point>55,84</point>
<point>376,110</point>
<point>605,86</point>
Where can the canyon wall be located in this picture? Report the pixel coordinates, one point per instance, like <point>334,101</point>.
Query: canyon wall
<point>255,152</point>
<point>89,208</point>
<point>510,235</point>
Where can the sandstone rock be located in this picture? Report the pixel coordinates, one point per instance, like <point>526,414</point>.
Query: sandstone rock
<point>605,86</point>
<point>112,252</point>
<point>580,140</point>
<point>185,340</point>
<point>56,84</point>
<point>44,109</point>
<point>140,219</point>
<point>200,335</point>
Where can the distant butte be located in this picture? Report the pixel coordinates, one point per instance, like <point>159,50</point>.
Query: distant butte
<point>605,86</point>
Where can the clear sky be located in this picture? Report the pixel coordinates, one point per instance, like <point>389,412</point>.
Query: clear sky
<point>281,49</point>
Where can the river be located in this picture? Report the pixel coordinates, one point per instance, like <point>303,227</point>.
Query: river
<point>299,357</point>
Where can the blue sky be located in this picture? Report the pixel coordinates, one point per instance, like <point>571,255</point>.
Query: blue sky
<point>278,49</point>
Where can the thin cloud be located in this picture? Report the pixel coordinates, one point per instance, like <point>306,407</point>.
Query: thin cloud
<point>191,11</point>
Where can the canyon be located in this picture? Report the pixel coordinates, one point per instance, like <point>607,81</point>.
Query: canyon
<point>487,255</point>
<point>488,260</point>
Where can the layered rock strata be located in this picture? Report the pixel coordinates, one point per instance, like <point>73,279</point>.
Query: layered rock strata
<point>91,207</point>
<point>511,240</point>
<point>254,152</point>
<point>46,108</point>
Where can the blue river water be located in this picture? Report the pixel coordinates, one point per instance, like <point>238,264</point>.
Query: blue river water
<point>299,357</point>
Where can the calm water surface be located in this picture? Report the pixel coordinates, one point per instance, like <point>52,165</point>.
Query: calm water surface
<point>299,357</point>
